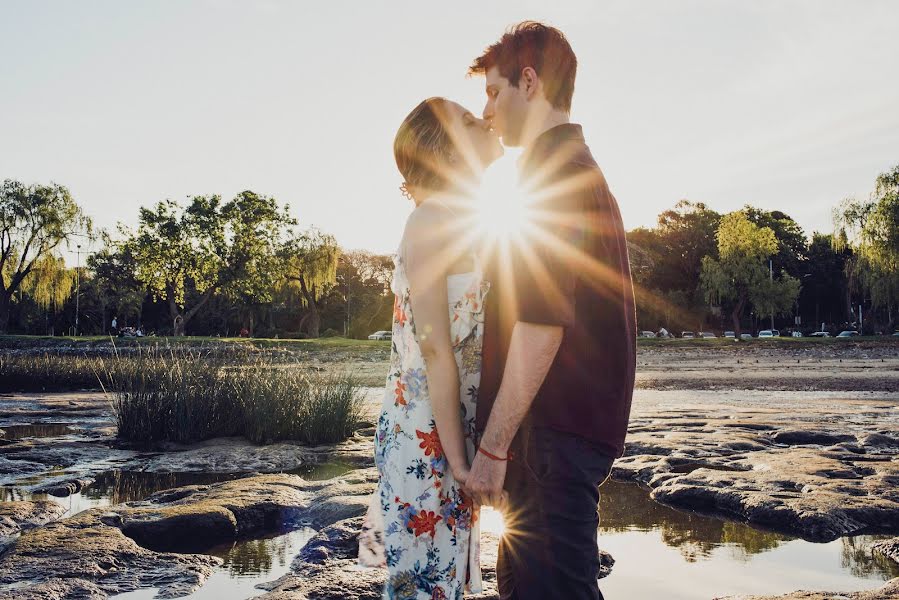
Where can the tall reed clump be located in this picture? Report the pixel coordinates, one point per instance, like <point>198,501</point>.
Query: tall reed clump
<point>188,396</point>
<point>47,372</point>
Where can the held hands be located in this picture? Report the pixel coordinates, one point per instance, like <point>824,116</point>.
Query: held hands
<point>484,482</point>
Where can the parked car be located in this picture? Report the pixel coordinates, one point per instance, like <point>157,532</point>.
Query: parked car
<point>707,334</point>
<point>797,334</point>
<point>647,334</point>
<point>766,333</point>
<point>847,333</point>
<point>896,334</point>
<point>688,335</point>
<point>380,335</point>
<point>819,334</point>
<point>730,334</point>
<point>745,336</point>
<point>776,332</point>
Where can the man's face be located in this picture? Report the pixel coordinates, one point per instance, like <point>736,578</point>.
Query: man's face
<point>506,108</point>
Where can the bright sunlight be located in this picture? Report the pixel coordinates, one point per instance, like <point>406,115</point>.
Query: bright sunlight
<point>503,207</point>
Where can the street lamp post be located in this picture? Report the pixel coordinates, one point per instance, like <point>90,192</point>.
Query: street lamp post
<point>771,278</point>
<point>77,285</point>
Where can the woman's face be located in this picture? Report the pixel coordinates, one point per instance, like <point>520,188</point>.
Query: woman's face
<point>477,146</point>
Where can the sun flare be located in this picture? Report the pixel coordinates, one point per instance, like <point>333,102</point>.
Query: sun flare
<point>492,520</point>
<point>503,207</point>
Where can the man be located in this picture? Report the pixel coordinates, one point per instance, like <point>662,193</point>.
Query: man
<point>560,330</point>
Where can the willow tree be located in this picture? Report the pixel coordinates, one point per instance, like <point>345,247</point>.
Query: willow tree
<point>309,264</point>
<point>740,274</point>
<point>50,283</point>
<point>871,230</point>
<point>35,221</point>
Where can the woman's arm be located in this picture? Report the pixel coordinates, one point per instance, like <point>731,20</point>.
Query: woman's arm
<point>428,261</point>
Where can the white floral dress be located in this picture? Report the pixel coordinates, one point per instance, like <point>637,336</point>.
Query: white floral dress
<point>420,524</point>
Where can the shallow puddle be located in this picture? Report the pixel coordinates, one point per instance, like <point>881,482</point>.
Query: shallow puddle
<point>118,486</point>
<point>247,563</point>
<point>661,552</point>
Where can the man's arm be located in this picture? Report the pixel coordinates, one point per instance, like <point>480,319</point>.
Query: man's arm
<point>532,350</point>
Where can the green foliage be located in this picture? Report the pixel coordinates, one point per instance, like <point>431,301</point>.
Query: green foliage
<point>871,230</point>
<point>185,397</point>
<point>208,246</point>
<point>34,222</point>
<point>310,263</point>
<point>47,372</point>
<point>791,241</point>
<point>114,281</point>
<point>50,283</point>
<point>362,293</point>
<point>741,274</point>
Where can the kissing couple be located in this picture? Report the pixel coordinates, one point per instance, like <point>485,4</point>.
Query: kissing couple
<point>512,361</point>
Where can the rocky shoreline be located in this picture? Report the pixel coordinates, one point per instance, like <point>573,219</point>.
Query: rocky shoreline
<point>818,466</point>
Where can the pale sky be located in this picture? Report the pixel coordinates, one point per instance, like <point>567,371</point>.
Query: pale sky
<point>784,105</point>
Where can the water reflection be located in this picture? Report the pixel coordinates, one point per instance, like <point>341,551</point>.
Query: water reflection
<point>35,430</point>
<point>259,556</point>
<point>117,486</point>
<point>627,507</point>
<point>858,559</point>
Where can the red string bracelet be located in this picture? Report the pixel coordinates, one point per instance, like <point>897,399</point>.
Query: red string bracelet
<point>494,456</point>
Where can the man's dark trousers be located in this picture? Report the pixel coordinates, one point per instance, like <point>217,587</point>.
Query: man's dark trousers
<point>549,549</point>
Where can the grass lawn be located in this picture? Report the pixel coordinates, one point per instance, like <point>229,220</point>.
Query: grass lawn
<point>308,345</point>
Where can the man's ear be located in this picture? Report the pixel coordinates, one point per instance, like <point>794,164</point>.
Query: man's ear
<point>529,82</point>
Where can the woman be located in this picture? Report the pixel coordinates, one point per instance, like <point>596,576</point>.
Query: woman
<point>420,523</point>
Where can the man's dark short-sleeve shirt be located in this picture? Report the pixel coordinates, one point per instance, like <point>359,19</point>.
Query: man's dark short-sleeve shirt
<point>570,269</point>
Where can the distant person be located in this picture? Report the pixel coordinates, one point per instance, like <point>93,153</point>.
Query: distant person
<point>114,326</point>
<point>421,524</point>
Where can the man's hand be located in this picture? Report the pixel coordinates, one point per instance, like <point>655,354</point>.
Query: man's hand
<point>485,481</point>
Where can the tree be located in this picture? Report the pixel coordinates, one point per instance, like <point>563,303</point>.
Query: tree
<point>686,234</point>
<point>741,275</point>
<point>118,291</point>
<point>792,245</point>
<point>668,260</point>
<point>206,247</point>
<point>824,285</point>
<point>363,286</point>
<point>871,230</point>
<point>34,222</point>
<point>309,263</point>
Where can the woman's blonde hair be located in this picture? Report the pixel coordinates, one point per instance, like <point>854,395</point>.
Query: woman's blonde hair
<point>423,145</point>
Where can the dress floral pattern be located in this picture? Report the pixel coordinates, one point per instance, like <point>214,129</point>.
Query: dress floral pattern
<point>420,524</point>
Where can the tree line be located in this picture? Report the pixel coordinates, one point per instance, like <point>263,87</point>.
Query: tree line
<point>244,267</point>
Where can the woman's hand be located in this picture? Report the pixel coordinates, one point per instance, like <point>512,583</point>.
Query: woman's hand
<point>460,474</point>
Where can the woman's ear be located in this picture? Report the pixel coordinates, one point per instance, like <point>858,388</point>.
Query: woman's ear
<point>529,82</point>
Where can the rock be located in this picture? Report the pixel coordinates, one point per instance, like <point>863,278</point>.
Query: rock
<point>21,516</point>
<point>134,545</point>
<point>64,488</point>
<point>801,437</point>
<point>784,468</point>
<point>326,569</point>
<point>56,589</point>
<point>820,499</point>
<point>888,548</point>
<point>890,591</point>
<point>237,455</point>
<point>53,558</point>
<point>879,441</point>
